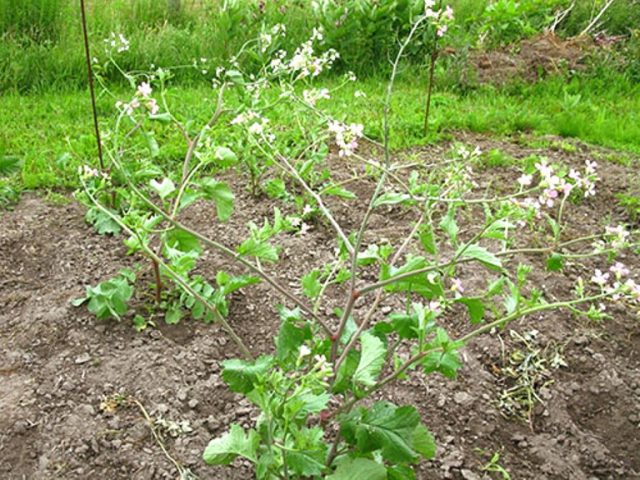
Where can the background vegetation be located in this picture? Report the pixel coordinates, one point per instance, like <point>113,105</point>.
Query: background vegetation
<point>43,74</point>
<point>41,41</point>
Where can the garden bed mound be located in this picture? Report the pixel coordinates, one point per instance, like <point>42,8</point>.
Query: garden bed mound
<point>73,389</point>
<point>532,59</point>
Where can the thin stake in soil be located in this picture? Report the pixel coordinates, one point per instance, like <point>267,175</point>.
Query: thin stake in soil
<point>87,54</point>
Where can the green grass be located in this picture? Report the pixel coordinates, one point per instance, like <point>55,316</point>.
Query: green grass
<point>52,133</point>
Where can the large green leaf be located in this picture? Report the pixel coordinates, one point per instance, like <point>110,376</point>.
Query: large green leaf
<point>237,442</point>
<point>356,468</point>
<point>419,283</point>
<point>475,307</point>
<point>183,241</point>
<point>290,339</point>
<point>221,194</point>
<point>483,255</point>
<point>311,286</point>
<point>241,375</point>
<point>256,248</point>
<point>391,198</point>
<point>102,222</point>
<point>310,453</point>
<point>395,431</point>
<point>371,359</point>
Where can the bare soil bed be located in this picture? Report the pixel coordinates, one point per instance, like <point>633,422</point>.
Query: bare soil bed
<point>69,384</point>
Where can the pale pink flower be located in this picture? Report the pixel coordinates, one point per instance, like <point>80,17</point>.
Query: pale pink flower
<point>619,270</point>
<point>525,180</point>
<point>442,29</point>
<point>456,285</point>
<point>435,307</point>
<point>600,278</point>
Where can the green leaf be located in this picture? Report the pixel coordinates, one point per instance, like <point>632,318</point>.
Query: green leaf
<point>311,286</point>
<point>306,464</point>
<point>237,442</point>
<point>356,468</point>
<point>79,301</point>
<point>164,188</point>
<point>419,283</point>
<point>555,263</point>
<point>395,431</point>
<point>400,472</point>
<point>235,77</point>
<point>256,248</point>
<point>447,363</point>
<point>164,117</point>
<point>229,284</point>
<point>140,323</point>
<point>338,191</point>
<point>449,225</point>
<point>345,372</point>
<point>475,307</point>
<point>173,315</point>
<point>428,240</point>
<point>391,198</point>
<point>496,287</point>
<point>241,375</point>
<point>423,442</point>
<point>371,359</point>
<point>103,223</point>
<point>310,453</point>
<point>152,144</point>
<point>221,194</point>
<point>481,254</point>
<point>182,241</point>
<point>290,339</point>
<point>225,155</point>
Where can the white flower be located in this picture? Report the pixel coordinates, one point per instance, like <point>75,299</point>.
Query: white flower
<point>525,180</point>
<point>304,351</point>
<point>265,39</point>
<point>600,278</point>
<point>144,89</point>
<point>256,128</point>
<point>590,167</point>
<point>359,94</point>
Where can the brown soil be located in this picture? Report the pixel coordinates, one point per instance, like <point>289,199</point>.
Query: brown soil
<point>58,365</point>
<point>532,59</point>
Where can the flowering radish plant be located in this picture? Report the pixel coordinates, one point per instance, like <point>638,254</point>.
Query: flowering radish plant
<point>314,391</point>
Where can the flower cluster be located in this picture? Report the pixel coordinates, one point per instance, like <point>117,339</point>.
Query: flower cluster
<point>266,38</point>
<point>312,96</point>
<point>116,42</point>
<point>304,62</point>
<point>346,136</point>
<point>617,282</point>
<point>87,171</point>
<point>142,98</point>
<point>555,186</point>
<point>257,124</point>
<point>201,64</point>
<point>441,18</point>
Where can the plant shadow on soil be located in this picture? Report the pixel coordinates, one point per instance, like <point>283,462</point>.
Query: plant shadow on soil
<point>61,371</point>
